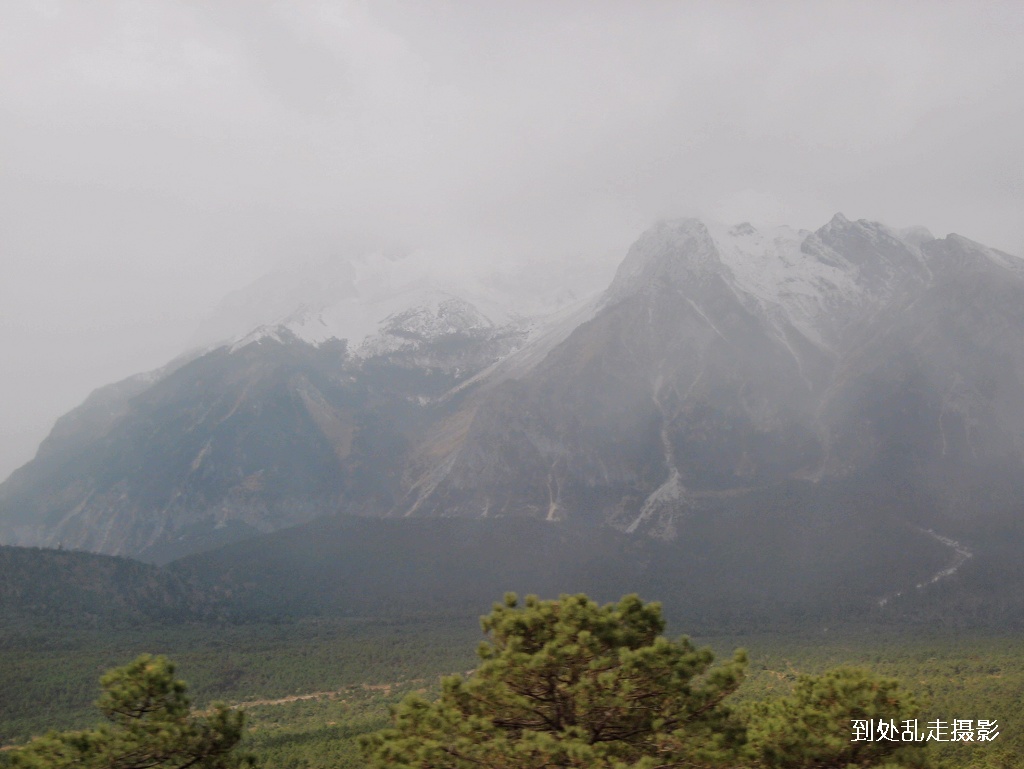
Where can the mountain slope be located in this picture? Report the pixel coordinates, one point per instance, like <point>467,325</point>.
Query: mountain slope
<point>683,383</point>
<point>343,565</point>
<point>263,433</point>
<point>74,589</point>
<point>882,375</point>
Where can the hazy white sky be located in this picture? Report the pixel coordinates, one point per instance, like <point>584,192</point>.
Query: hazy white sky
<point>156,155</point>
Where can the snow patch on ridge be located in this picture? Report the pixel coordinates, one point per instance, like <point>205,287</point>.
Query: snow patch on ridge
<point>774,272</point>
<point>542,334</point>
<point>816,284</point>
<point>379,303</point>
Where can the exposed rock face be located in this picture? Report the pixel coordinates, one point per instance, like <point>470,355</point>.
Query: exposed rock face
<point>728,377</point>
<point>250,437</point>
<point>723,363</point>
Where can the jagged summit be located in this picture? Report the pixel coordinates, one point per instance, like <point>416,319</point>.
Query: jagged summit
<point>875,250</point>
<point>816,283</point>
<point>813,281</point>
<point>679,253</point>
<point>823,284</point>
<point>743,228</point>
<point>368,300</point>
<point>371,324</point>
<point>915,235</point>
<point>437,315</point>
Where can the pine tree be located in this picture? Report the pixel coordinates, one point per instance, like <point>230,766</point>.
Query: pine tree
<point>569,683</point>
<point>150,726</point>
<point>813,727</point>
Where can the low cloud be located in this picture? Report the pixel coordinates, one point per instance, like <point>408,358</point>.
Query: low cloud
<point>158,155</point>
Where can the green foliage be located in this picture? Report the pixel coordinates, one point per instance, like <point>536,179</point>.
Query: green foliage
<point>323,733</point>
<point>67,589</point>
<point>150,725</point>
<point>952,675</point>
<point>812,727</point>
<point>48,678</point>
<point>570,683</point>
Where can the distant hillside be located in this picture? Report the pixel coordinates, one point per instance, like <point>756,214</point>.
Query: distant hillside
<point>714,579</point>
<point>350,566</point>
<point>68,588</point>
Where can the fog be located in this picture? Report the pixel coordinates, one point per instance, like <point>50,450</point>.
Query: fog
<point>156,156</point>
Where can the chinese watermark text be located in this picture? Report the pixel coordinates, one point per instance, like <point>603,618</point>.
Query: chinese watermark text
<point>936,730</point>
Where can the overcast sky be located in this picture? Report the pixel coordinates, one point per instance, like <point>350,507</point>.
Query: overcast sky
<point>155,155</point>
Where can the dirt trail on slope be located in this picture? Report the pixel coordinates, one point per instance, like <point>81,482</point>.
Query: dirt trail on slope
<point>332,694</point>
<point>386,688</point>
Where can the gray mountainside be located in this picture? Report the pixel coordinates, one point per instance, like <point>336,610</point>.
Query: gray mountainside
<point>853,359</point>
<point>250,437</point>
<point>796,396</point>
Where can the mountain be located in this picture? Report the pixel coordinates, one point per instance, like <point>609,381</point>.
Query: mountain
<point>838,402</point>
<point>723,362</point>
<point>254,435</point>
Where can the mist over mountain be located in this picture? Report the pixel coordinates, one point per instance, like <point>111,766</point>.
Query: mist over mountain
<point>719,363</point>
<point>829,406</point>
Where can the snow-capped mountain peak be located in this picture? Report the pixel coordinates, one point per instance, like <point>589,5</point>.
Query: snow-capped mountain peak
<point>371,300</point>
<point>818,283</point>
<point>678,252</point>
